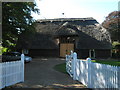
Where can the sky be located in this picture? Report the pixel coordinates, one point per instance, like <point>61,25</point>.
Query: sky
<point>98,9</point>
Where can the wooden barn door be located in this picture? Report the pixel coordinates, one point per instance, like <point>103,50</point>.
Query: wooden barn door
<point>65,48</point>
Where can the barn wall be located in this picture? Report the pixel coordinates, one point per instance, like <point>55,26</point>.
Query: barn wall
<point>99,53</point>
<point>82,53</point>
<point>44,53</point>
<point>103,53</point>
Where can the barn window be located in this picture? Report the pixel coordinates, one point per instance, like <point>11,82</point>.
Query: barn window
<point>92,53</point>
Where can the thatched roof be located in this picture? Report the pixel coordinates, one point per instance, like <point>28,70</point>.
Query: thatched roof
<point>65,30</point>
<point>90,34</point>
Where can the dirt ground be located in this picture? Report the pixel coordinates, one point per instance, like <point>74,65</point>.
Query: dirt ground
<point>39,73</point>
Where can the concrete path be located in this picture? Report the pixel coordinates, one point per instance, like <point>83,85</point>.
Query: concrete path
<point>40,74</point>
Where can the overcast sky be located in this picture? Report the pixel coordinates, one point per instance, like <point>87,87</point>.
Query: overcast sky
<point>97,9</point>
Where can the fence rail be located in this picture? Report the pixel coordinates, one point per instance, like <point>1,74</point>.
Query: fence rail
<point>11,72</point>
<point>93,75</point>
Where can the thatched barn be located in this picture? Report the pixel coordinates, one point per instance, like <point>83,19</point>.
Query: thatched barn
<point>57,37</point>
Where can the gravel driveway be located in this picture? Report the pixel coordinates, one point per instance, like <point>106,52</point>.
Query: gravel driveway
<point>39,73</point>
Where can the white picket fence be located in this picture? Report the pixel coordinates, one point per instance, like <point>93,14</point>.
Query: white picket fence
<point>11,72</point>
<point>93,75</point>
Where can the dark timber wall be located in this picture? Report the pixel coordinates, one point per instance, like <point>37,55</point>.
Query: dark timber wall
<point>99,53</point>
<point>82,53</point>
<point>106,53</point>
<point>44,53</point>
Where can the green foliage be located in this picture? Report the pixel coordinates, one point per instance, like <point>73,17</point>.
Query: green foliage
<point>3,50</point>
<point>114,44</point>
<point>16,19</point>
<point>111,23</point>
<point>116,50</point>
<point>0,47</point>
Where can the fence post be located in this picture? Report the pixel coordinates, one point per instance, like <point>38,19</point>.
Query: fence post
<point>66,58</point>
<point>118,76</point>
<point>89,73</point>
<point>22,60</point>
<point>71,52</point>
<point>74,65</point>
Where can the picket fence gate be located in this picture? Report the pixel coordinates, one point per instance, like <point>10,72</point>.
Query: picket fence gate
<point>11,72</point>
<point>93,75</point>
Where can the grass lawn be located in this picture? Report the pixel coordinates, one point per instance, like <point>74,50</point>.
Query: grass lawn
<point>114,63</point>
<point>61,68</point>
